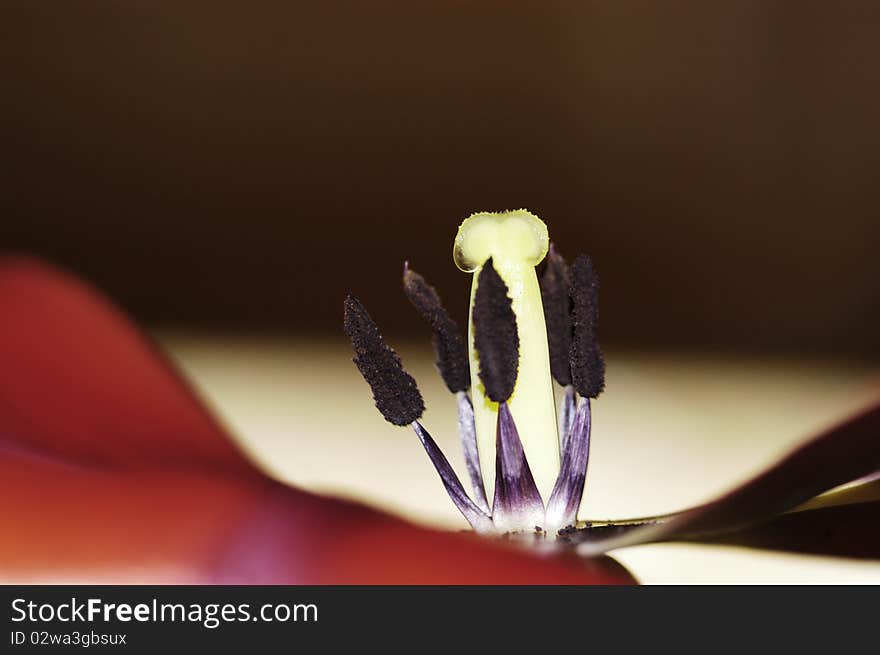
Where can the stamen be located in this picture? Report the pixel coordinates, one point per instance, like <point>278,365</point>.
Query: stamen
<point>588,377</point>
<point>517,505</point>
<point>452,362</point>
<point>557,313</point>
<point>565,500</point>
<point>468,432</point>
<point>394,390</point>
<point>556,296</point>
<point>398,399</point>
<point>449,347</point>
<point>475,516</point>
<point>495,335</point>
<point>587,363</point>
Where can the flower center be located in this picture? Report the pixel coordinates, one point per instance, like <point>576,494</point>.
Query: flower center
<point>507,368</point>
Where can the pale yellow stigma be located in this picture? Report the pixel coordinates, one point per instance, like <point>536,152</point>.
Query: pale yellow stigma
<point>517,236</point>
<point>516,241</point>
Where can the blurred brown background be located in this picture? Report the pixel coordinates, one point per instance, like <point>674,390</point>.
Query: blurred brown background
<point>240,165</point>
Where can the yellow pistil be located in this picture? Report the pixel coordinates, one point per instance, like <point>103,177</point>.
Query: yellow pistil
<point>516,241</point>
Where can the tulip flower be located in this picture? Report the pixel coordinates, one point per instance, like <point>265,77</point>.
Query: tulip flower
<point>113,470</point>
<point>523,335</point>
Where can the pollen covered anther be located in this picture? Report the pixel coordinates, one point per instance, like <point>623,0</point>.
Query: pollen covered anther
<point>394,390</point>
<point>587,363</point>
<point>495,335</point>
<point>556,298</point>
<point>450,349</point>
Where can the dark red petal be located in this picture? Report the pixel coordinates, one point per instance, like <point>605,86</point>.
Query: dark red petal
<point>842,523</point>
<point>79,381</point>
<point>842,454</point>
<point>843,531</point>
<point>72,523</point>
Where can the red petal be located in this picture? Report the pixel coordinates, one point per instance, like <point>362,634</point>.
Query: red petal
<point>76,524</point>
<point>79,381</point>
